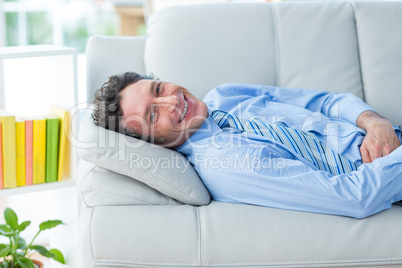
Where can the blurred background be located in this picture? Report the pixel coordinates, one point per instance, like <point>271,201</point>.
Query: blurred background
<point>70,23</point>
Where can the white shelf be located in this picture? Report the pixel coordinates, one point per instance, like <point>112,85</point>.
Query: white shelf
<point>39,51</point>
<point>35,51</point>
<point>37,188</point>
<point>52,72</point>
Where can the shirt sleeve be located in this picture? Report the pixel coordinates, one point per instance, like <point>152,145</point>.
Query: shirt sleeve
<point>253,176</point>
<point>345,106</point>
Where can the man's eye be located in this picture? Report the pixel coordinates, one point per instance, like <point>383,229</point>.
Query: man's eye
<point>152,117</point>
<point>158,89</point>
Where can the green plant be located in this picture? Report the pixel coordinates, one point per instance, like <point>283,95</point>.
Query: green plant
<point>16,254</point>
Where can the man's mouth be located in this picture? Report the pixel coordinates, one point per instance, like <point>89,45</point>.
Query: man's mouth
<point>184,111</point>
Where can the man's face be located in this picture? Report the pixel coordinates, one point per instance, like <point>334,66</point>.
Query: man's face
<point>162,110</point>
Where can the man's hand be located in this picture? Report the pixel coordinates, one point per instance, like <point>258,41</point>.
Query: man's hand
<point>380,140</point>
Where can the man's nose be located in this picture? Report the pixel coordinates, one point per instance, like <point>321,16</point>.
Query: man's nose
<point>170,102</point>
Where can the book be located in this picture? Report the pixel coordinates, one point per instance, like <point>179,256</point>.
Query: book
<point>9,149</point>
<point>28,149</point>
<point>1,162</point>
<point>64,145</point>
<point>20,150</point>
<point>39,149</point>
<point>52,147</point>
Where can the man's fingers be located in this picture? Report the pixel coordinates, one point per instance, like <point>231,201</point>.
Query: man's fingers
<point>365,154</point>
<point>375,152</point>
<point>387,150</point>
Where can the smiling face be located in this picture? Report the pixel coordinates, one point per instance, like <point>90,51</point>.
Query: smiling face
<point>162,110</point>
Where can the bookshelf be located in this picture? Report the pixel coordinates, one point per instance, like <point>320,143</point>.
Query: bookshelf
<point>37,188</point>
<point>32,78</point>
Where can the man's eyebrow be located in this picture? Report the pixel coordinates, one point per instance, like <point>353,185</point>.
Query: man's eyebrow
<point>151,88</point>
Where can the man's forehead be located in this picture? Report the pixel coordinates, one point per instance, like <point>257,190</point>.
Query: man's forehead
<point>133,100</point>
<point>134,106</point>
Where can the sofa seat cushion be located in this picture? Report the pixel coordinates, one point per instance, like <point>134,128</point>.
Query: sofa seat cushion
<point>161,169</point>
<point>225,234</point>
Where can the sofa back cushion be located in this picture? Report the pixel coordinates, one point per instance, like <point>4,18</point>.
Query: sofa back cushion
<point>380,44</point>
<point>334,46</point>
<point>308,45</point>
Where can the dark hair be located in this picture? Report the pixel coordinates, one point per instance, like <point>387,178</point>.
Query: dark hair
<point>107,111</point>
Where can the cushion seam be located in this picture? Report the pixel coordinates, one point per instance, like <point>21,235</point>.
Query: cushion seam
<point>82,182</point>
<point>199,234</point>
<point>358,48</point>
<point>399,259</point>
<point>275,23</point>
<point>90,236</point>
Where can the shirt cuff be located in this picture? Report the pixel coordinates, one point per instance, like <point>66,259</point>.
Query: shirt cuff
<point>351,109</point>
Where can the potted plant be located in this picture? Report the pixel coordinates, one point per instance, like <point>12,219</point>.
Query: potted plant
<point>17,253</point>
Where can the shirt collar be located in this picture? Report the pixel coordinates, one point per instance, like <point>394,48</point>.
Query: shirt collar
<point>203,133</point>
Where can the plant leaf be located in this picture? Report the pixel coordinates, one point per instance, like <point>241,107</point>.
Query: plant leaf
<point>21,244</point>
<point>6,230</point>
<point>42,251</point>
<point>4,250</point>
<point>49,224</point>
<point>23,225</point>
<point>25,263</point>
<point>57,255</point>
<point>5,264</point>
<point>11,218</point>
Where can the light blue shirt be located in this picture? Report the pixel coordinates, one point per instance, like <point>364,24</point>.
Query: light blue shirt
<point>243,167</point>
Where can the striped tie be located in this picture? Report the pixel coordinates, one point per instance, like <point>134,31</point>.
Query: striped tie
<point>303,143</point>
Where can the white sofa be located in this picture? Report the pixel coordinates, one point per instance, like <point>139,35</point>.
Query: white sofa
<point>145,216</point>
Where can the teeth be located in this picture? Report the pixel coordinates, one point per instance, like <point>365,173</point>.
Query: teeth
<point>184,110</point>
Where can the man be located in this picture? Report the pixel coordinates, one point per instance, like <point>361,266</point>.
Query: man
<point>254,144</point>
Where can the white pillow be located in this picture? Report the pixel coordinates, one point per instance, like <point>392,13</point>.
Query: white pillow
<point>165,170</point>
<point>98,186</point>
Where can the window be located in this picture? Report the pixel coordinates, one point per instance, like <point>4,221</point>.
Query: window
<point>59,22</point>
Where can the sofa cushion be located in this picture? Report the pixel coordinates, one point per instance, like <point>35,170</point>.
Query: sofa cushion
<point>256,43</point>
<point>219,44</point>
<point>380,43</point>
<point>239,235</point>
<point>326,56</point>
<point>162,169</point>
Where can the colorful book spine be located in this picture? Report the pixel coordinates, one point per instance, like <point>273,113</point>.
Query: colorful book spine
<point>39,150</point>
<point>52,147</point>
<point>28,150</point>
<point>1,162</point>
<point>20,150</point>
<point>9,150</point>
<point>64,148</point>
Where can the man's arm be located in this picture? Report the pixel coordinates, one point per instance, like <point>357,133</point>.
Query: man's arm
<point>345,106</point>
<point>380,140</point>
<point>235,175</point>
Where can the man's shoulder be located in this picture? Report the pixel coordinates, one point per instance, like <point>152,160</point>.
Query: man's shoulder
<point>234,93</point>
<point>239,86</point>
